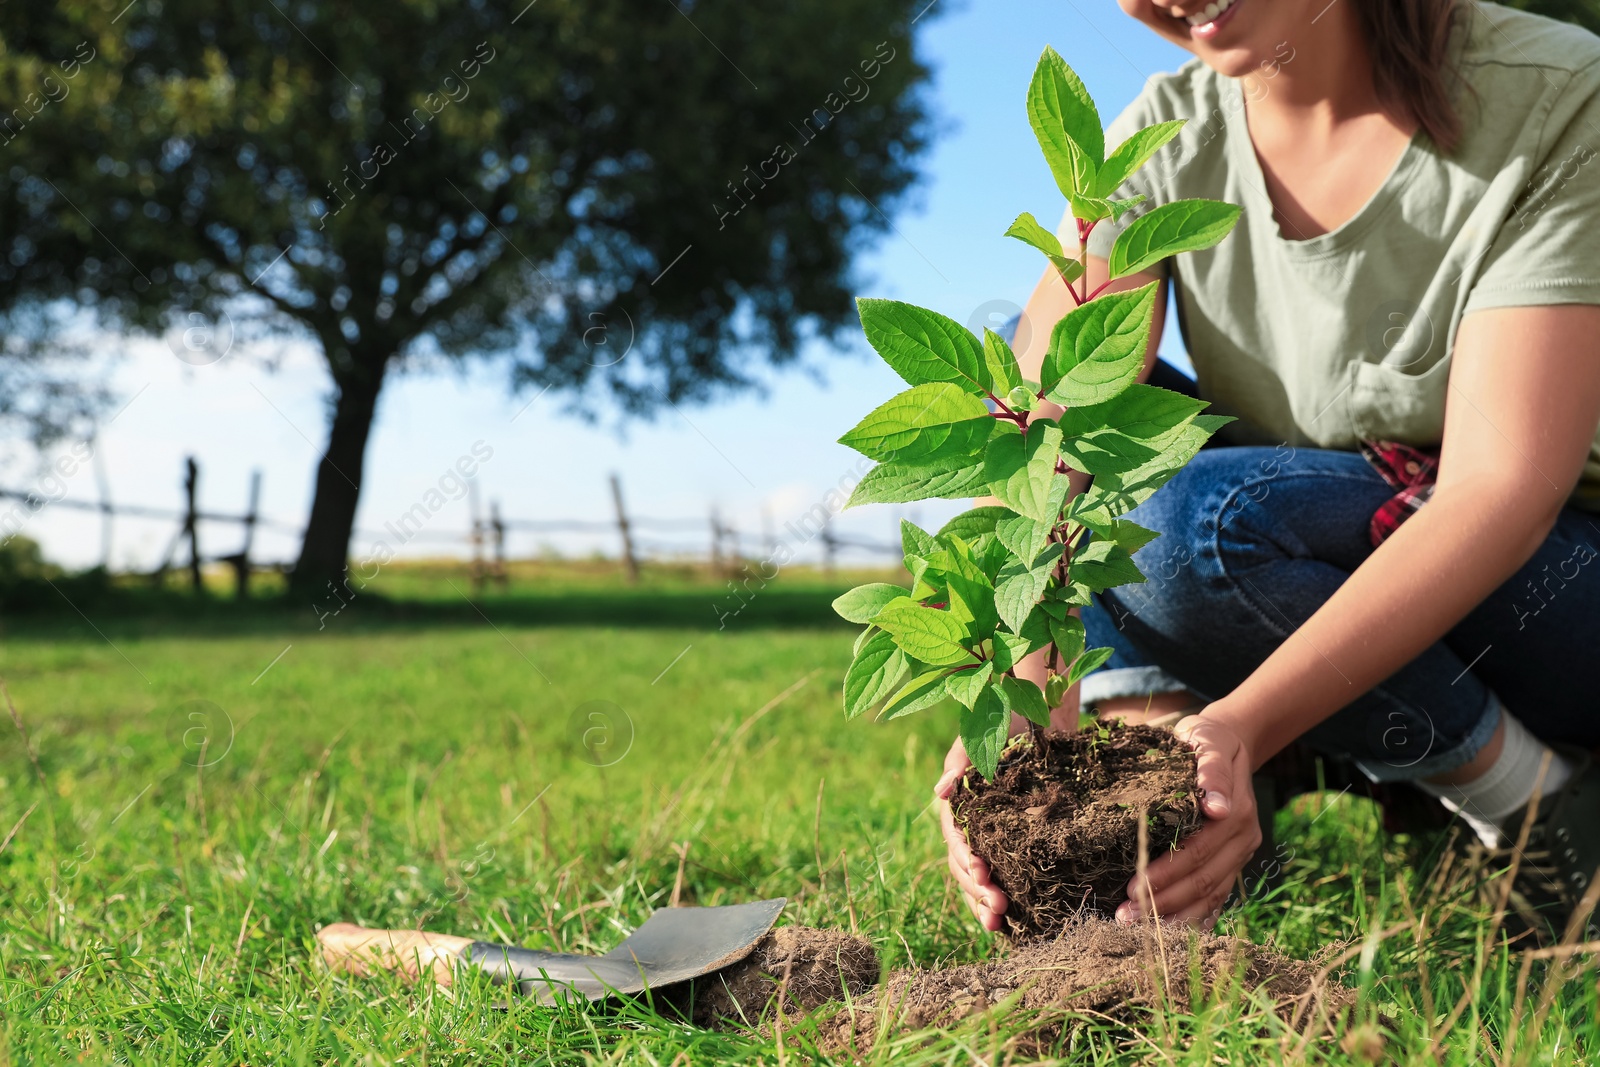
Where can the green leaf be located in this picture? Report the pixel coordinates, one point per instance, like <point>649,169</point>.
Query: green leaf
<point>1068,636</point>
<point>973,524</point>
<point>1037,628</point>
<point>1026,699</point>
<point>1055,689</point>
<point>984,731</point>
<point>924,346</point>
<point>1021,586</point>
<point>1069,269</point>
<point>966,685</point>
<point>1067,125</point>
<point>1009,649</point>
<point>1181,226</point>
<point>903,483</point>
<point>1026,537</point>
<point>1075,595</point>
<point>1128,536</point>
<point>1121,207</point>
<point>917,543</point>
<point>928,634</point>
<point>863,602</point>
<point>1132,154</point>
<point>1022,470</point>
<point>1054,608</point>
<point>924,422</point>
<point>873,674</point>
<point>923,691</point>
<point>1001,363</point>
<point>1099,565</point>
<point>862,638</point>
<point>1098,350</point>
<point>1086,663</point>
<point>1144,412</point>
<point>976,597</point>
<point>1027,229</point>
<point>1117,494</point>
<point>1105,452</point>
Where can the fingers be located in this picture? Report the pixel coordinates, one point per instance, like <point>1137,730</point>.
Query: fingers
<point>1201,892</point>
<point>1217,752</point>
<point>971,874</point>
<point>1193,883</point>
<point>956,765</point>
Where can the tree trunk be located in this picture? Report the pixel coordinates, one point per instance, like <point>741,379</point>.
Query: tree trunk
<point>324,551</point>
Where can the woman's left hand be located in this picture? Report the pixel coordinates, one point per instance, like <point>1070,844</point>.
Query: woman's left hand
<point>1193,883</point>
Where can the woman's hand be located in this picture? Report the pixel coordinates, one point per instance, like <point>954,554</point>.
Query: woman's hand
<point>1193,883</point>
<point>971,873</point>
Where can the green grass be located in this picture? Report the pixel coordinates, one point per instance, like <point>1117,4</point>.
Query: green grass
<point>419,763</point>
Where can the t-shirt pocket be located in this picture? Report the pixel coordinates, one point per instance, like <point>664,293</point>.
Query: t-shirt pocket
<point>1389,403</point>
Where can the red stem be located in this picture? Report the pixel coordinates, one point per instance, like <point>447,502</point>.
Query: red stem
<point>1005,412</point>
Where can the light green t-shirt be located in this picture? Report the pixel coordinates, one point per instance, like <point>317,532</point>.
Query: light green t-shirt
<point>1347,336</point>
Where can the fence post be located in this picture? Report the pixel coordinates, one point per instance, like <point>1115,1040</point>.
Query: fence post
<point>716,543</point>
<point>498,526</point>
<point>241,562</point>
<point>628,556</point>
<point>191,527</point>
<point>476,537</point>
<point>107,513</point>
<point>829,547</point>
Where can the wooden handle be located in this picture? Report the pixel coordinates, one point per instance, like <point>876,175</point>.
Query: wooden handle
<point>358,950</point>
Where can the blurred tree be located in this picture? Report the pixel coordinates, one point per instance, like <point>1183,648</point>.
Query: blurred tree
<point>562,183</point>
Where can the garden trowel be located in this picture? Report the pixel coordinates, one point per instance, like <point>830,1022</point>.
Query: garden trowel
<point>674,945</point>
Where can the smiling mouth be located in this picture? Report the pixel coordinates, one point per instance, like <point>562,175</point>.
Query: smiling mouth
<point>1216,14</point>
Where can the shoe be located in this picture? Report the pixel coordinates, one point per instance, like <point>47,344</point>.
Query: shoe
<point>1562,856</point>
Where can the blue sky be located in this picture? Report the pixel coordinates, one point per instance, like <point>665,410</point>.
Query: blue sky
<point>748,456</point>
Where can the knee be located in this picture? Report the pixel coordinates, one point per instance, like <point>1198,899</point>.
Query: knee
<point>1182,566</point>
<point>1187,513</point>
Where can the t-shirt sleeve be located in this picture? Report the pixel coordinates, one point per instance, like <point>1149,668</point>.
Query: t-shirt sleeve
<point>1546,251</point>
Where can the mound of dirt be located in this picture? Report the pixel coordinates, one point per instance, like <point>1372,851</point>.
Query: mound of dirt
<point>807,967</point>
<point>1118,972</point>
<point>1059,825</point>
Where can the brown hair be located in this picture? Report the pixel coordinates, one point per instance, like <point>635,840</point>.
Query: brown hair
<point>1409,45</point>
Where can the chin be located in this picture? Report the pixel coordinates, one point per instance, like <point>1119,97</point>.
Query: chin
<point>1236,37</point>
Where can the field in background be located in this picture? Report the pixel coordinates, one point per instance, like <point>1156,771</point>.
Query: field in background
<point>213,781</point>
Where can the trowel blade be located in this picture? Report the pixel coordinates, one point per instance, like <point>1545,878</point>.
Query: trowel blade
<point>673,945</point>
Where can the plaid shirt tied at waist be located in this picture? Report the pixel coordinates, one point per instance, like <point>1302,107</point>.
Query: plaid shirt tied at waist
<point>1411,472</point>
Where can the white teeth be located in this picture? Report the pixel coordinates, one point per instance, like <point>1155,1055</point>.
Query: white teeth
<point>1212,10</point>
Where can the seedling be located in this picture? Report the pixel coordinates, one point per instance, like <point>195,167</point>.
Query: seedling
<point>1001,581</point>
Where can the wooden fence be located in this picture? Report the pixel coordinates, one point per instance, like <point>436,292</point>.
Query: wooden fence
<point>485,536</point>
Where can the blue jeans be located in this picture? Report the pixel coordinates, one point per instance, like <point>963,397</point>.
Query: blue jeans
<point>1254,540</point>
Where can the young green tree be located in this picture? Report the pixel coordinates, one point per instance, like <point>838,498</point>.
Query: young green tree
<point>1000,582</point>
<point>556,182</point>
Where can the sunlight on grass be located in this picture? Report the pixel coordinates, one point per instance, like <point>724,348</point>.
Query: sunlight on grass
<point>192,818</point>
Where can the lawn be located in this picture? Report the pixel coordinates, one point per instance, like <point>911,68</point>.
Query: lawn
<point>211,784</point>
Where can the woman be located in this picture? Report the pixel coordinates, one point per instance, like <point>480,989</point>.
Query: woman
<point>1414,287</point>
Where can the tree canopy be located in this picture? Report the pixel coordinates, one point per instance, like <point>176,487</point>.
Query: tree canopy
<point>556,183</point>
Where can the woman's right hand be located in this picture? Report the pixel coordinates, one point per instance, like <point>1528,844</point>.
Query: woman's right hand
<point>971,873</point>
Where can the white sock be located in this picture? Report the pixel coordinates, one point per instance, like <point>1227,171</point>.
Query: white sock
<point>1486,802</point>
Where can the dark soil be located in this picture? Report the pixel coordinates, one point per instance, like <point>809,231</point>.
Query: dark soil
<point>808,968</point>
<point>1114,972</point>
<point>1059,825</point>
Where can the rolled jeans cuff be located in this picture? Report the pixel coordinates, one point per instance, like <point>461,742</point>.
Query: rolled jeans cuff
<point>1115,682</point>
<point>1435,760</point>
